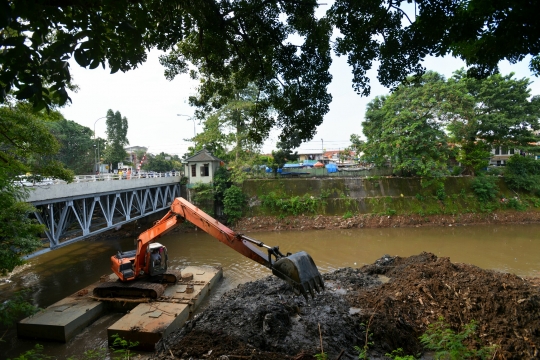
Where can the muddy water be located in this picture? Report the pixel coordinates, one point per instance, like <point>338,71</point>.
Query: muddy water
<point>50,277</point>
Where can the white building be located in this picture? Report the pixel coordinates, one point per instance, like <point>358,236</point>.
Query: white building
<point>201,167</point>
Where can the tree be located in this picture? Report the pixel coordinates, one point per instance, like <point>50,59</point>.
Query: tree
<point>77,149</point>
<point>252,42</point>
<point>18,231</point>
<point>212,138</point>
<point>229,127</point>
<point>357,145</point>
<point>162,163</point>
<point>476,115</point>
<point>250,39</point>
<point>399,37</point>
<point>117,127</point>
<point>281,156</point>
<point>26,146</point>
<point>39,37</point>
<point>502,114</point>
<point>407,128</point>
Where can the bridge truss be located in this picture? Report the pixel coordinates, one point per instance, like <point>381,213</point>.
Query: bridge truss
<point>69,220</point>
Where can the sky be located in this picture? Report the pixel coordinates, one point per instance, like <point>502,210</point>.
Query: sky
<point>151,103</point>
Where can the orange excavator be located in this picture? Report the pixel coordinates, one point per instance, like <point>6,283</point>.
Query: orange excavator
<point>149,261</point>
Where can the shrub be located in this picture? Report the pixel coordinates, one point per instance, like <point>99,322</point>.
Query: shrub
<point>448,344</point>
<point>233,202</point>
<point>16,309</point>
<point>203,197</point>
<point>516,204</point>
<point>440,193</point>
<point>485,188</point>
<point>294,205</point>
<point>523,173</point>
<point>456,170</point>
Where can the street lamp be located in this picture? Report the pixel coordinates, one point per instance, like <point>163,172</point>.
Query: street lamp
<point>96,157</point>
<point>190,118</point>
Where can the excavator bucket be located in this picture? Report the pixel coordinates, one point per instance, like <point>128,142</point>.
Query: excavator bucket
<point>300,272</point>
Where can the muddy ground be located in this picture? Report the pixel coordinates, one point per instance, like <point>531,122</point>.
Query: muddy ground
<point>319,222</point>
<point>325,222</point>
<point>392,300</point>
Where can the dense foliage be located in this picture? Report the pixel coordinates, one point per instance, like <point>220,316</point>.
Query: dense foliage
<point>407,128</point>
<point>413,127</point>
<point>234,202</point>
<point>77,148</point>
<point>281,46</point>
<point>523,173</point>
<point>485,188</point>
<point>15,309</point>
<point>230,122</point>
<point>18,232</point>
<point>162,162</point>
<point>27,145</point>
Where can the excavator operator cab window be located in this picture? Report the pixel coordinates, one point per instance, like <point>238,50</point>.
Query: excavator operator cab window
<point>158,260</point>
<point>155,257</point>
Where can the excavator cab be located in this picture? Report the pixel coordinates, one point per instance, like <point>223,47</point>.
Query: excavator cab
<point>157,259</point>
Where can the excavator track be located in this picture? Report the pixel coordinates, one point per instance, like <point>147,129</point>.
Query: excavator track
<point>137,289</point>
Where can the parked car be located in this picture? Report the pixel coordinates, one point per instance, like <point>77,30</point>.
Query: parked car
<point>33,180</point>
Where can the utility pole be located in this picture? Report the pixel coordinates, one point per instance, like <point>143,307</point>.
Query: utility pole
<point>322,149</point>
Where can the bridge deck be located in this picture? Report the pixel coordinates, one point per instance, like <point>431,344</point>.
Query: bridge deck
<point>72,212</point>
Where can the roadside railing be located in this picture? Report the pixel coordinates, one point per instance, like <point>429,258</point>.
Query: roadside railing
<point>123,176</point>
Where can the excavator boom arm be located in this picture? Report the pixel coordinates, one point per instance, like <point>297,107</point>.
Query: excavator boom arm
<point>297,269</point>
<point>208,224</point>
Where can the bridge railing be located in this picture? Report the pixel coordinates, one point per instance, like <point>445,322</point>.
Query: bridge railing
<point>124,176</point>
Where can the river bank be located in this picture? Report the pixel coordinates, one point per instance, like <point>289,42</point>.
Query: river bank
<point>324,222</point>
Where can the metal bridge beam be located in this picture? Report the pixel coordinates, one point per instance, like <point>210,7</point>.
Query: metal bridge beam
<point>69,220</point>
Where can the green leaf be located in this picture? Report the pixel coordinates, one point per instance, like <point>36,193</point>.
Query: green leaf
<point>80,57</point>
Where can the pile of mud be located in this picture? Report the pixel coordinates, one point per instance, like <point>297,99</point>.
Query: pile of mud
<point>263,320</point>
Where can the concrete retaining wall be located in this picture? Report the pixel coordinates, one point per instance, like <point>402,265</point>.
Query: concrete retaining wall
<point>334,196</point>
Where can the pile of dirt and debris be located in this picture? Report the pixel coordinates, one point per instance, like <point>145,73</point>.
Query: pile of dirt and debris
<point>391,301</point>
<point>423,288</point>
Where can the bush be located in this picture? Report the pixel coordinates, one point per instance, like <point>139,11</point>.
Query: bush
<point>516,204</point>
<point>485,188</point>
<point>523,173</point>
<point>203,197</point>
<point>16,309</point>
<point>440,193</point>
<point>233,201</point>
<point>294,205</point>
<point>456,170</point>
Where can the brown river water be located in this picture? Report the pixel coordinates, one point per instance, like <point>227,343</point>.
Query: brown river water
<point>59,273</point>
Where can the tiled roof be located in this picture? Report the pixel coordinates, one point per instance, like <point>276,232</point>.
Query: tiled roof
<point>203,155</point>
